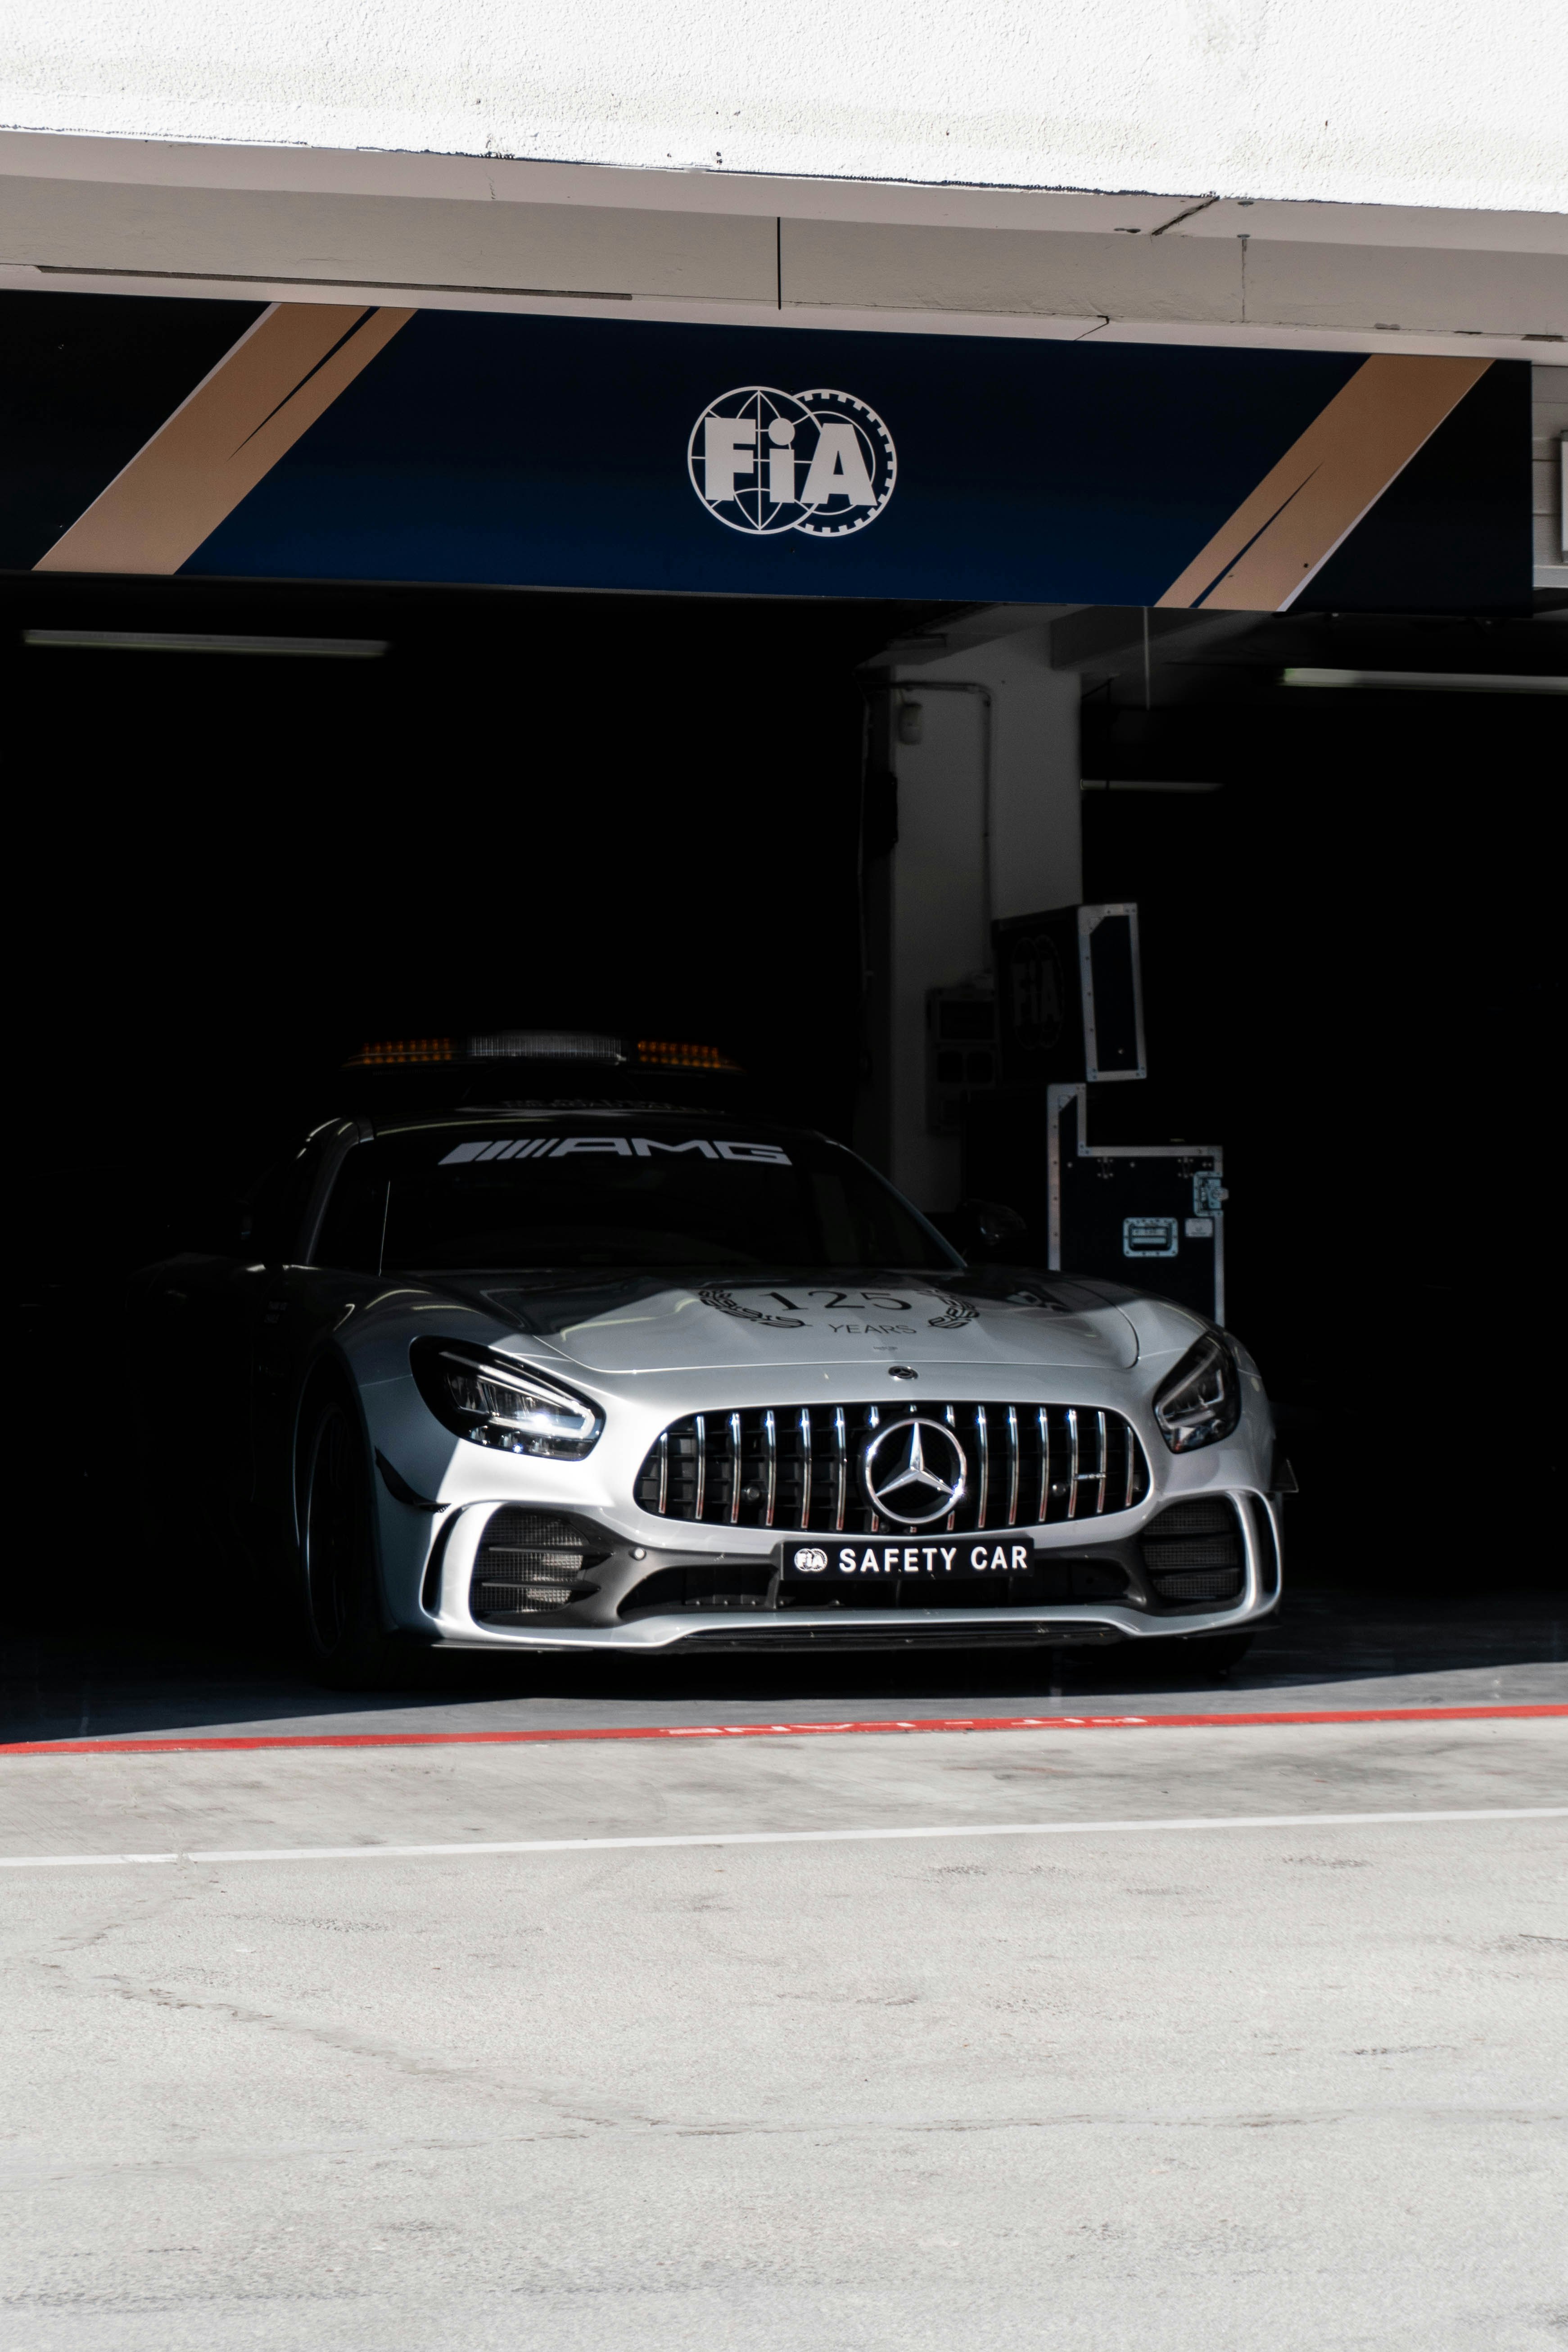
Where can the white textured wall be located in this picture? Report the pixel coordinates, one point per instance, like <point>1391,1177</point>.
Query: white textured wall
<point>1418,102</point>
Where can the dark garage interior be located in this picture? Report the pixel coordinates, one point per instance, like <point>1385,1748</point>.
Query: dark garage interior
<point>640,813</point>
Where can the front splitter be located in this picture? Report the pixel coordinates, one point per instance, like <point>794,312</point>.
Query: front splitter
<point>768,1630</point>
<point>862,1636</point>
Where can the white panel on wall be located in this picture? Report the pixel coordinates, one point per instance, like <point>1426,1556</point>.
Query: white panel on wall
<point>864,266</point>
<point>391,240</point>
<point>1409,288</point>
<point>942,884</point>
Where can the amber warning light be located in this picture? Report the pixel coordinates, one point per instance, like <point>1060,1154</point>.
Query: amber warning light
<point>402,1049</point>
<point>659,1052</point>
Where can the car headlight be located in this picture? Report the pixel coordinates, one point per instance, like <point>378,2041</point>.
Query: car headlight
<point>492,1401</point>
<point>1201,1401</point>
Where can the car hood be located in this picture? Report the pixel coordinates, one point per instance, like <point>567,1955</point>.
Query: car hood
<point>657,1323</point>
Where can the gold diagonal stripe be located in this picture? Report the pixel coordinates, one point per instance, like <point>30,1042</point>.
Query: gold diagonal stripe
<point>1308,504</point>
<point>283,373</point>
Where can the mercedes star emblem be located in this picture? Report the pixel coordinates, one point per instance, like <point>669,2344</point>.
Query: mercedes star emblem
<point>914,1470</point>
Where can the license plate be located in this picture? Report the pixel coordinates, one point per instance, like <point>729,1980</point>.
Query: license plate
<point>834,1565</point>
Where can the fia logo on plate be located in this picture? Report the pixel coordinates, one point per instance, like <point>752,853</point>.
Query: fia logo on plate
<point>818,462</point>
<point>809,1562</point>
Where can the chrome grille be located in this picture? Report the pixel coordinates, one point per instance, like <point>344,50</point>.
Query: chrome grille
<point>797,1467</point>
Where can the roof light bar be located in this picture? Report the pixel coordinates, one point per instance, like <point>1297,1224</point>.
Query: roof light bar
<point>540,1046</point>
<point>665,1055</point>
<point>544,1045</point>
<point>396,1050</point>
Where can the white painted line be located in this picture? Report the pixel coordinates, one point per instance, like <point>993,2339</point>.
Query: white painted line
<point>770,1837</point>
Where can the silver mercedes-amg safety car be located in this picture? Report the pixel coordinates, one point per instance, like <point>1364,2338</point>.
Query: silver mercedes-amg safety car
<point>593,1376</point>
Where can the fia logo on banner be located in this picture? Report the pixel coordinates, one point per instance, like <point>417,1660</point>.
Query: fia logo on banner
<point>818,462</point>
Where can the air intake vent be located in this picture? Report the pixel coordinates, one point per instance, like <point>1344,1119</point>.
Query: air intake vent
<point>729,1585</point>
<point>529,1562</point>
<point>1193,1551</point>
<point>800,1467</point>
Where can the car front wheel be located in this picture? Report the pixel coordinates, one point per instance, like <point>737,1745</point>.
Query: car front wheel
<point>346,1644</point>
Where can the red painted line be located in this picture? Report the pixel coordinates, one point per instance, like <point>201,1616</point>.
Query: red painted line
<point>771,1730</point>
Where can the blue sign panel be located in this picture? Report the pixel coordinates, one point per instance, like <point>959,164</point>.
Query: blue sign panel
<point>338,442</point>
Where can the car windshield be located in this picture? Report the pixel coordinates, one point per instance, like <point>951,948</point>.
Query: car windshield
<point>576,1191</point>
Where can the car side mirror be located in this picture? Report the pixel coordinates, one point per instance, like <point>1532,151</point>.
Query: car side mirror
<point>981,1228</point>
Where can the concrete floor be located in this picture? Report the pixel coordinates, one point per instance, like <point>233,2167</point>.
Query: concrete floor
<point>1204,2089</point>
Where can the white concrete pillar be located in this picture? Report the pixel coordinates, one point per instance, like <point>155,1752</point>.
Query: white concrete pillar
<point>970,849</point>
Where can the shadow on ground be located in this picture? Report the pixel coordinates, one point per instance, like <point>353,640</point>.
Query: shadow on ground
<point>1336,1642</point>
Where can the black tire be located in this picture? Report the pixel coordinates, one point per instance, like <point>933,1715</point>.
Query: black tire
<point>346,1644</point>
<point>1214,1654</point>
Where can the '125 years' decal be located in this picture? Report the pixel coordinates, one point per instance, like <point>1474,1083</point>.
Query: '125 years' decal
<point>779,1310</point>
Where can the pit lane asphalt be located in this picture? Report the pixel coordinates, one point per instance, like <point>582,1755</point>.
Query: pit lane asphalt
<point>1028,2082</point>
<point>1301,2083</point>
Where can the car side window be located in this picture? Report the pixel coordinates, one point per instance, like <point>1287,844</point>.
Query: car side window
<point>279,1202</point>
<point>352,1228</point>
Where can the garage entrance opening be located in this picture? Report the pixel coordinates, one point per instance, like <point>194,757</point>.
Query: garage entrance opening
<point>442,810</point>
<point>685,794</point>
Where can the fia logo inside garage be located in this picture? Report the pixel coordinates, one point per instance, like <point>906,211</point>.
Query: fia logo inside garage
<point>818,462</point>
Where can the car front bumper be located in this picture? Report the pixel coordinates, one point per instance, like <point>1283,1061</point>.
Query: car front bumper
<point>763,1624</point>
